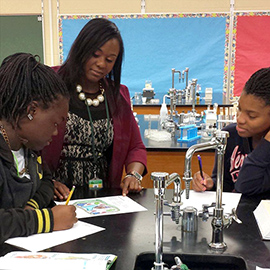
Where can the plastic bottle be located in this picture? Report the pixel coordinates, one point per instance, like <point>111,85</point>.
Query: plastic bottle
<point>197,98</point>
<point>163,114</point>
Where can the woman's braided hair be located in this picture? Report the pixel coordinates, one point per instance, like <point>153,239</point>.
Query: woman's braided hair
<point>259,85</point>
<point>23,79</point>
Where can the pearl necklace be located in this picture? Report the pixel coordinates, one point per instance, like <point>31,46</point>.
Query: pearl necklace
<point>88,101</point>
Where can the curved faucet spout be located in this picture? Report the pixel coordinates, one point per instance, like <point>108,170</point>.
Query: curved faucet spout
<point>218,141</point>
<point>189,154</point>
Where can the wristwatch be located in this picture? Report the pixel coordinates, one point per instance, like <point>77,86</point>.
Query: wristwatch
<point>135,175</point>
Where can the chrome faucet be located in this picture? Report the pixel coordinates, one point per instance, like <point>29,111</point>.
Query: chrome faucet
<point>219,221</point>
<point>161,181</point>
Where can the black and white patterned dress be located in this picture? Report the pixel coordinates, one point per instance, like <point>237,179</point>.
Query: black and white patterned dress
<point>77,165</point>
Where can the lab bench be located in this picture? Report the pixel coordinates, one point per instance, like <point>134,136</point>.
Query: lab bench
<point>128,235</point>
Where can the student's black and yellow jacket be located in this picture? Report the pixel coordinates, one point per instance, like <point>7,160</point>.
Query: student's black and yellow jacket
<point>16,193</point>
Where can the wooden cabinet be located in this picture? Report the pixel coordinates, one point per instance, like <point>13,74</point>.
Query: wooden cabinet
<point>170,162</point>
<point>154,109</point>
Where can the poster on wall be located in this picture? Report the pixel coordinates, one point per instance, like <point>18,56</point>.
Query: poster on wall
<point>251,50</point>
<point>154,44</point>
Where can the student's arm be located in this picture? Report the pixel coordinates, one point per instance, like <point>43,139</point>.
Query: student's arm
<point>136,149</point>
<point>135,152</point>
<point>19,222</point>
<point>45,192</point>
<point>135,160</point>
<point>254,176</point>
<point>24,222</point>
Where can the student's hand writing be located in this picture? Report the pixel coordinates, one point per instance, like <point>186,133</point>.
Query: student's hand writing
<point>64,217</point>
<point>130,184</point>
<point>61,191</point>
<point>199,184</point>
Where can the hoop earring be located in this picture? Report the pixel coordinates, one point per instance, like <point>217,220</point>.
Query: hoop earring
<point>30,117</point>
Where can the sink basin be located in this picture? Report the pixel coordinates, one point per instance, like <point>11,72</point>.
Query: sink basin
<point>145,261</point>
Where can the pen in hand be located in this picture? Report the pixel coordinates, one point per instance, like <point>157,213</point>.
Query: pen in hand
<point>201,171</point>
<point>70,194</point>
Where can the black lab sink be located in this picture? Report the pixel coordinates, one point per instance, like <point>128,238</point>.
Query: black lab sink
<point>145,261</point>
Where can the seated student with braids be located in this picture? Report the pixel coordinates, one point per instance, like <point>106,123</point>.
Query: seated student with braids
<point>246,162</point>
<point>33,102</point>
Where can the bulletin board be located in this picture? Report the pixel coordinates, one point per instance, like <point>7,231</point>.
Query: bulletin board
<point>21,34</point>
<point>252,47</point>
<point>156,43</point>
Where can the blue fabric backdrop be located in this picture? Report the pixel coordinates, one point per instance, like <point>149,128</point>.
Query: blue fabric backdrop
<point>153,46</point>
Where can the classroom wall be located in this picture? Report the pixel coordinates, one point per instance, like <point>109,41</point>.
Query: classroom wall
<point>52,7</point>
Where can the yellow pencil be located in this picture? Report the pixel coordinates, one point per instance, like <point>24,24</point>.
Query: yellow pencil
<point>70,194</point>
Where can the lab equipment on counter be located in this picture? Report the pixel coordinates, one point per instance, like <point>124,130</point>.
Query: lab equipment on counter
<point>163,114</point>
<point>208,95</point>
<point>224,119</point>
<point>211,115</point>
<point>207,132</point>
<point>189,219</point>
<point>178,94</point>
<point>155,134</point>
<point>172,121</point>
<point>188,133</point>
<point>148,91</point>
<point>138,98</point>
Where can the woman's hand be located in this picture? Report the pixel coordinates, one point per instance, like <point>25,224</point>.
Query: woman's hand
<point>199,184</point>
<point>61,191</point>
<point>130,184</point>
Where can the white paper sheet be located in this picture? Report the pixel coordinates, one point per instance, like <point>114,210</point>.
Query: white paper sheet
<point>27,264</point>
<point>107,206</point>
<point>262,216</point>
<point>24,260</point>
<point>38,242</point>
<point>197,199</point>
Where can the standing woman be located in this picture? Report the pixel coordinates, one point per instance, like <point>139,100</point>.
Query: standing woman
<point>101,135</point>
